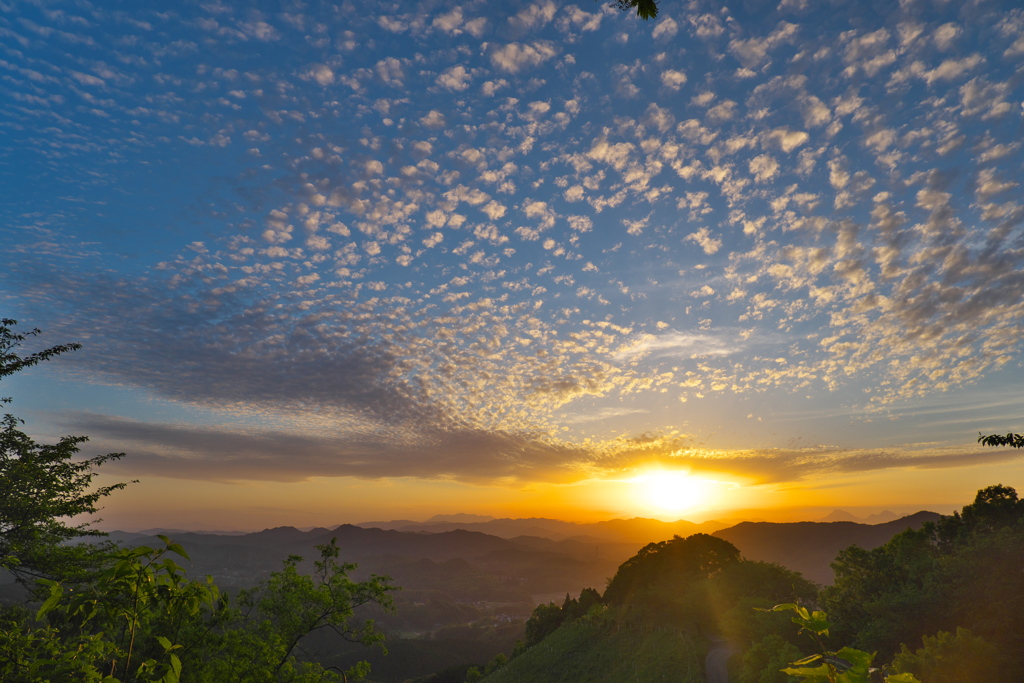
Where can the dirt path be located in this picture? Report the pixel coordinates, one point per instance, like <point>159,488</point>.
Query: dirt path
<point>716,665</point>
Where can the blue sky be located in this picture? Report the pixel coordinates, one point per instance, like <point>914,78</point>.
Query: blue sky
<point>517,242</point>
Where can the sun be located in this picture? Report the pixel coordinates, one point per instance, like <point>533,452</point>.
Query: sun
<point>670,492</point>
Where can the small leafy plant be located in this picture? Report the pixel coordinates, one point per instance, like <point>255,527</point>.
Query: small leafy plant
<point>846,665</point>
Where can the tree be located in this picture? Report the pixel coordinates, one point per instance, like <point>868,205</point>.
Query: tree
<point>961,571</point>
<point>276,615</point>
<point>42,486</point>
<point>132,614</point>
<point>645,9</point>
<point>143,619</point>
<point>948,658</point>
<point>678,560</point>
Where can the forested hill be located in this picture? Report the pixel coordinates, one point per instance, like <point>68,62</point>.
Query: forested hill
<point>937,599</point>
<point>809,547</point>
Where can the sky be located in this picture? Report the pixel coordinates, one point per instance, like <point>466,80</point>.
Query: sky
<point>339,261</point>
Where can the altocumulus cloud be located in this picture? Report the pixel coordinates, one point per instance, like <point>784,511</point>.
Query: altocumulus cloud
<point>433,228</point>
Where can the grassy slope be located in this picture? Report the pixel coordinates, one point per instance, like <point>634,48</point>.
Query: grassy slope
<point>606,650</point>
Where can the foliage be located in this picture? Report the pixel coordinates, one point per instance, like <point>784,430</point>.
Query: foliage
<point>929,580</point>
<point>764,660</point>
<point>679,560</point>
<point>42,485</point>
<point>645,9</point>
<point>11,362</point>
<point>277,614</point>
<point>845,665</point>
<point>544,621</point>
<point>122,626</point>
<point>1010,439</point>
<point>948,658</point>
<point>142,619</point>
<point>117,614</point>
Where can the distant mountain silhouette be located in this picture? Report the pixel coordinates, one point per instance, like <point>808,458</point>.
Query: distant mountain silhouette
<point>844,516</point>
<point>840,516</point>
<point>461,518</point>
<point>809,547</point>
<point>637,530</point>
<point>541,555</point>
<point>882,517</point>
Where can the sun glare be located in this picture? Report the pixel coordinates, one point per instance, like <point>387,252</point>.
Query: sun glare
<point>670,492</point>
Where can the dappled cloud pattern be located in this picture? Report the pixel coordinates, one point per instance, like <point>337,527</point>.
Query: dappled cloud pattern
<point>407,236</point>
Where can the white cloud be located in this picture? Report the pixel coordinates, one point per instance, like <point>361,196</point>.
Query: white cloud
<point>515,56</point>
<point>703,237</point>
<point>534,17</point>
<point>673,79</point>
<point>787,140</point>
<point>764,168</point>
<point>666,28</point>
<point>322,74</point>
<point>433,120</point>
<point>454,78</point>
<point>450,22</point>
<point>574,17</point>
<point>389,70</point>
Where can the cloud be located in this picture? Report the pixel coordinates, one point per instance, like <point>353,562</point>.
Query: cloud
<point>703,237</point>
<point>683,345</point>
<point>666,28</point>
<point>534,16</point>
<point>752,52</point>
<point>404,260</point>
<point>514,57</point>
<point>233,455</point>
<point>764,168</point>
<point>433,120</point>
<point>454,78</point>
<point>673,79</point>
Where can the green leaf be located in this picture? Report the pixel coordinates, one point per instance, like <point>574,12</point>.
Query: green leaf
<point>56,590</point>
<point>902,678</point>
<point>165,643</point>
<point>806,660</point>
<point>176,548</point>
<point>785,607</point>
<point>176,666</point>
<point>806,671</point>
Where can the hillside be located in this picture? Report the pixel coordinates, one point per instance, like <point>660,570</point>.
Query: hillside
<point>809,547</point>
<point>599,650</point>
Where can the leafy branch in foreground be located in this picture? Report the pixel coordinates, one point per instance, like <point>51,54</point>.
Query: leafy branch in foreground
<point>846,665</point>
<point>1012,440</point>
<point>11,362</point>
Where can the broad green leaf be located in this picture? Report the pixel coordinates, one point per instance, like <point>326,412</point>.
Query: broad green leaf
<point>902,678</point>
<point>165,643</point>
<point>784,607</point>
<point>818,671</point>
<point>56,590</point>
<point>176,548</point>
